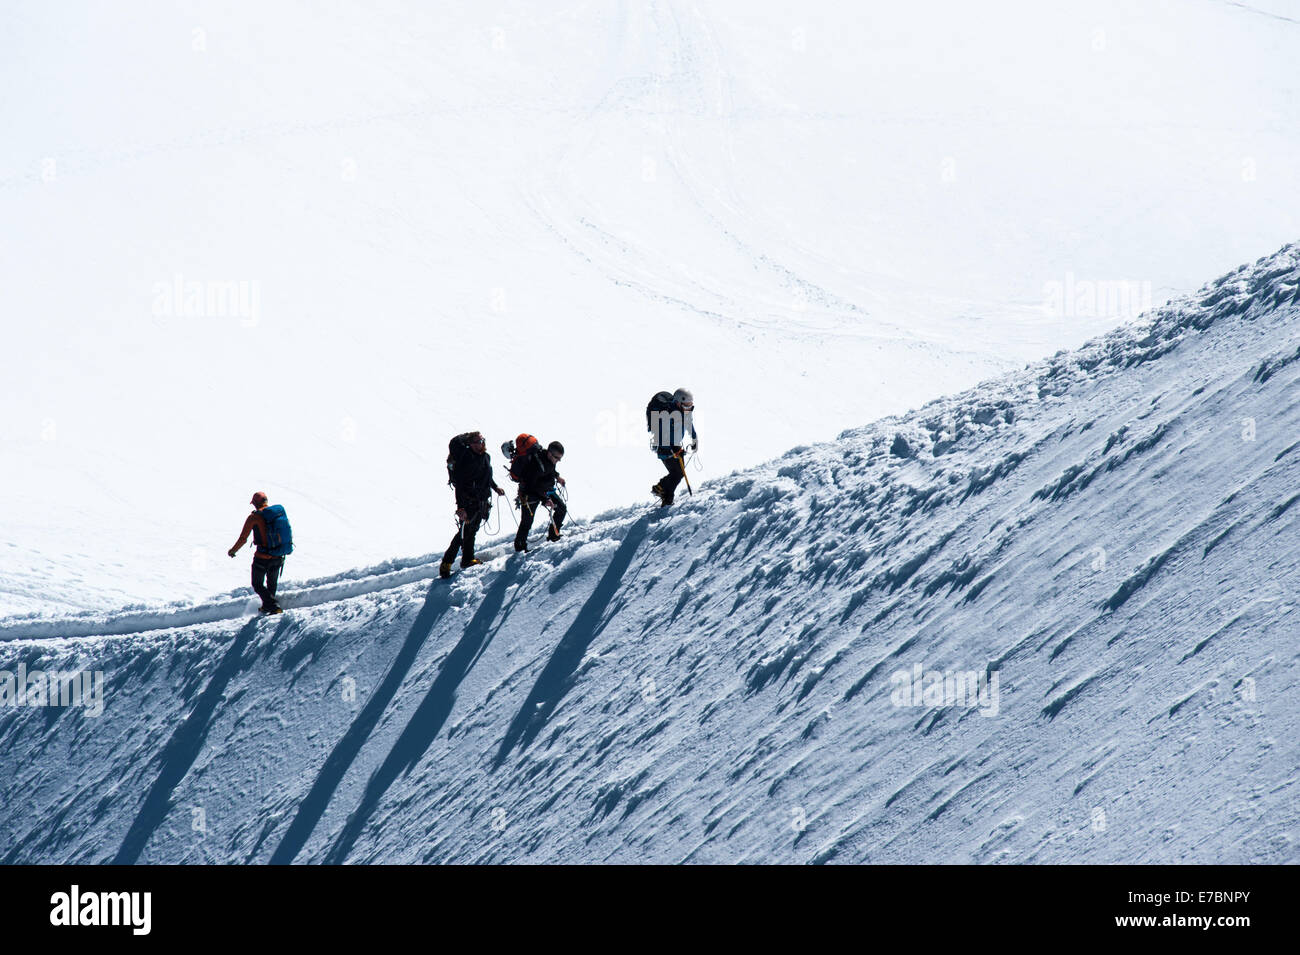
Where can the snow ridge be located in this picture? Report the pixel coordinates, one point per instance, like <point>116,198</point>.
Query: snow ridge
<point>776,670</point>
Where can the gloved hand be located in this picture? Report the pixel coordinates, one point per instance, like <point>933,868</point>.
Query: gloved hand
<point>500,493</point>
<point>561,480</point>
<point>695,444</point>
<point>550,505</point>
<point>231,552</point>
<point>460,514</point>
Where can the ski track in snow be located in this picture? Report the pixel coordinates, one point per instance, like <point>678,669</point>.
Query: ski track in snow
<point>1112,532</point>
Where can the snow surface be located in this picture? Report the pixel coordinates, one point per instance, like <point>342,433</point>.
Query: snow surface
<point>1112,532</point>
<point>531,217</point>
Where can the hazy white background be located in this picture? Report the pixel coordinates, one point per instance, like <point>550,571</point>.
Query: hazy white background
<point>490,216</point>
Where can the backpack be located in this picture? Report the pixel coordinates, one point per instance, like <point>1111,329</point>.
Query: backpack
<point>279,535</point>
<point>458,451</point>
<point>662,404</point>
<point>663,401</point>
<point>517,452</point>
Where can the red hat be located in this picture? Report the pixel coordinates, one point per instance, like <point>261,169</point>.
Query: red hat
<point>259,499</point>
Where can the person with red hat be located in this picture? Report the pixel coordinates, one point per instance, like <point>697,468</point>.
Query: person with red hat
<point>273,541</point>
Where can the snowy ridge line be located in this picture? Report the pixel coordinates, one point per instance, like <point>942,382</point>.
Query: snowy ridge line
<point>311,593</point>
<point>81,618</point>
<point>234,608</point>
<point>718,683</point>
<point>1271,282</point>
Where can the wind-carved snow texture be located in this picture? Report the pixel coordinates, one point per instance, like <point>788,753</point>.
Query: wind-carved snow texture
<point>1105,542</point>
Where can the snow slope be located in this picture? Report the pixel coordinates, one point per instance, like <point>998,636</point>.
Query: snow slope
<point>1112,532</point>
<point>532,217</point>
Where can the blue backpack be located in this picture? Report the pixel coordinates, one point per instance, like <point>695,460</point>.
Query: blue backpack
<point>279,535</point>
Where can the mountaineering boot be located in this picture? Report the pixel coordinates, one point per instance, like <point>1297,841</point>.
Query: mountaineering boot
<point>270,611</point>
<point>552,534</point>
<point>664,499</point>
<point>444,569</point>
<point>472,562</point>
<point>521,548</point>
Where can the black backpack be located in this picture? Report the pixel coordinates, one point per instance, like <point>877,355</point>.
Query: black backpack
<point>458,452</point>
<point>663,401</point>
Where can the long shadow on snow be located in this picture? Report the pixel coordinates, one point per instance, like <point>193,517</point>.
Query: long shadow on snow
<point>429,717</point>
<point>184,747</point>
<point>345,751</point>
<point>555,679</point>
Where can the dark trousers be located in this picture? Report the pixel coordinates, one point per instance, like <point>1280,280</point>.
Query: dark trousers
<point>528,508</point>
<point>674,477</point>
<point>266,577</point>
<point>464,539</point>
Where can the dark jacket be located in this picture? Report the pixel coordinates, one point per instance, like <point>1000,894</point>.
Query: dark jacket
<point>473,481</point>
<point>668,425</point>
<point>536,474</point>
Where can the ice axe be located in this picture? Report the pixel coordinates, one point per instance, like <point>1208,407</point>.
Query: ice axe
<point>550,509</point>
<point>681,461</point>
